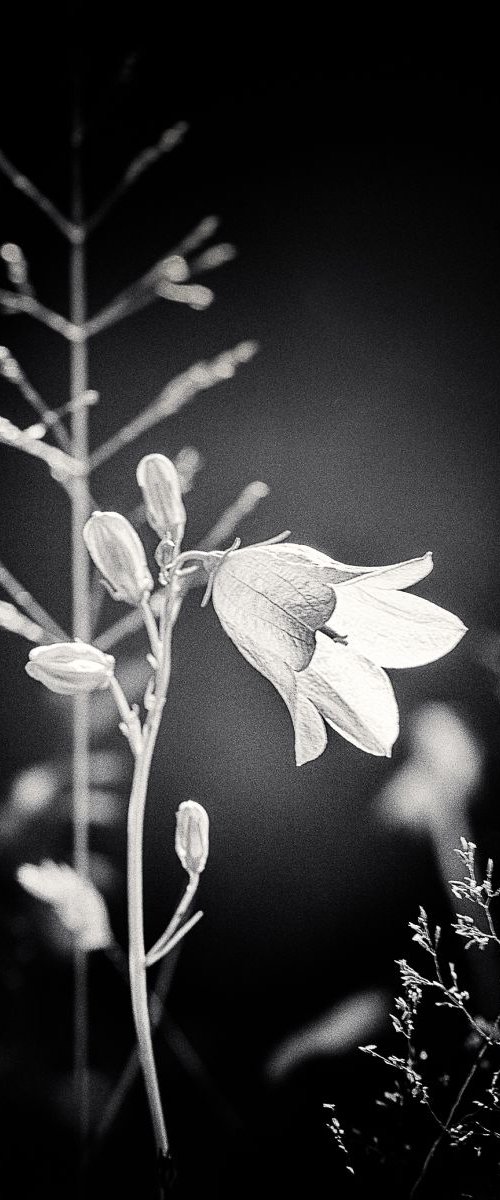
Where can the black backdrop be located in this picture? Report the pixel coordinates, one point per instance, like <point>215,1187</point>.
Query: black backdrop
<point>363,200</point>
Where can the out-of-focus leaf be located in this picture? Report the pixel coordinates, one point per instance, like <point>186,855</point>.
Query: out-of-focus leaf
<point>337,1031</point>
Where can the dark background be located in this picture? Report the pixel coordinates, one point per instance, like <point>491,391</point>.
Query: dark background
<point>363,199</point>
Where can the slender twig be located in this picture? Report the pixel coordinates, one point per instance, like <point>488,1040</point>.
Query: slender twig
<point>446,1124</point>
<point>81,624</point>
<point>29,189</point>
<point>13,372</point>
<point>26,601</point>
<point>164,947</point>
<point>62,466</point>
<point>151,628</point>
<point>168,141</point>
<point>174,396</point>
<point>180,911</point>
<point>137,955</point>
<point>16,303</point>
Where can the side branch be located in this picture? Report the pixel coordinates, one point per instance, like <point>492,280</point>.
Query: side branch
<point>26,601</point>
<point>180,391</point>
<point>16,303</point>
<point>23,184</point>
<point>167,142</point>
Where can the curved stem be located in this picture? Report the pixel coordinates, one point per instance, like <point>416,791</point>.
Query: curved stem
<point>137,955</point>
<point>180,911</point>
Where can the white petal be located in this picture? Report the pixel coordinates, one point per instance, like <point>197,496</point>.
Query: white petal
<point>310,733</point>
<point>397,575</point>
<point>353,695</point>
<point>392,628</point>
<point>273,600</point>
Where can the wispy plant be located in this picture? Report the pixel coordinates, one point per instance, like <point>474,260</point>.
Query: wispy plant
<point>470,1121</point>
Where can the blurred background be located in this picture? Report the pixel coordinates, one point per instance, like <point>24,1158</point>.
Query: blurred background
<point>363,202</point>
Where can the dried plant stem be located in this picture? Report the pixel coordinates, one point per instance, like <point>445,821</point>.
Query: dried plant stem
<point>446,1124</point>
<point>137,953</point>
<point>25,600</point>
<point>81,629</point>
<point>20,181</point>
<point>159,947</point>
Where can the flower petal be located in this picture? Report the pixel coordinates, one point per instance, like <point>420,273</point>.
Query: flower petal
<point>275,600</point>
<point>310,732</point>
<point>353,695</point>
<point>392,628</point>
<point>397,575</point>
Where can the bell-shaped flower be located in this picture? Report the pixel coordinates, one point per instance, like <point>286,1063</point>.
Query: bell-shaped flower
<point>119,555</point>
<point>75,900</point>
<point>191,836</point>
<point>71,667</point>
<point>161,489</point>
<point>321,631</point>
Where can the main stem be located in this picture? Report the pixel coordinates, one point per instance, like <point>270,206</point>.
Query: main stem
<point>81,629</point>
<point>137,950</point>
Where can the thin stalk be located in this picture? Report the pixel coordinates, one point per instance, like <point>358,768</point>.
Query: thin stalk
<point>446,1125</point>
<point>137,952</point>
<point>179,913</point>
<point>81,629</point>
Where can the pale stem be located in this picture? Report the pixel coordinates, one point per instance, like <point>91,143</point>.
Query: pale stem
<point>120,700</point>
<point>180,391</point>
<point>27,304</point>
<point>164,947</point>
<point>168,141</point>
<point>81,629</point>
<point>48,416</point>
<point>29,189</point>
<point>151,627</point>
<point>181,909</point>
<point>137,954</point>
<point>26,601</point>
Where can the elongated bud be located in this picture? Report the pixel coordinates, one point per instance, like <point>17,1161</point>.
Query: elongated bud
<point>161,488</point>
<point>70,667</point>
<point>191,836</point>
<point>119,555</point>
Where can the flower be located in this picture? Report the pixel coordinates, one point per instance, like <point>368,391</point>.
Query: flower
<point>321,631</point>
<point>119,555</point>
<point>160,485</point>
<point>70,667</point>
<point>75,900</point>
<point>191,836</point>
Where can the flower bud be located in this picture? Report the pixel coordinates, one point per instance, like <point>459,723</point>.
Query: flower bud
<point>160,484</point>
<point>191,836</point>
<point>70,667</point>
<point>119,555</point>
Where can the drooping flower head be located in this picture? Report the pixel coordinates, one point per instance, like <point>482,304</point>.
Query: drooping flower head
<point>119,555</point>
<point>321,631</point>
<point>71,667</point>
